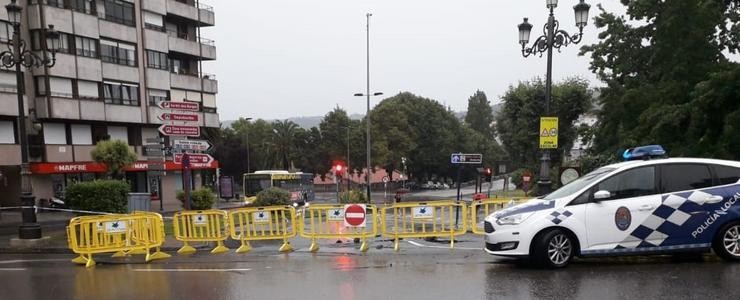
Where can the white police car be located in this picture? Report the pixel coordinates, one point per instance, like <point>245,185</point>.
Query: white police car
<point>634,207</point>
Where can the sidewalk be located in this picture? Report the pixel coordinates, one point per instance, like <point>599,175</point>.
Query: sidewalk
<point>53,224</point>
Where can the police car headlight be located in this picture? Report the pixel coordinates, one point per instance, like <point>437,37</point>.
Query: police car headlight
<point>513,219</point>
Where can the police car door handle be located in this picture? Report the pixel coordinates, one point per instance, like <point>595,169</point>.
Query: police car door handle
<point>646,207</point>
<point>714,199</point>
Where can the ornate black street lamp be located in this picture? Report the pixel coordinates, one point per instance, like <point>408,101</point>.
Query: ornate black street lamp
<point>16,56</point>
<point>553,37</point>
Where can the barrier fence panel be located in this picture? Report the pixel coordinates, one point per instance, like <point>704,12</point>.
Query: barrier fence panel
<point>120,234</point>
<point>480,209</point>
<point>201,226</point>
<point>424,219</point>
<point>339,221</point>
<point>263,223</point>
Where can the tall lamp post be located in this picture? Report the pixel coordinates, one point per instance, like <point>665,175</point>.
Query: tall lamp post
<point>16,56</point>
<point>367,115</point>
<point>246,134</point>
<point>553,37</point>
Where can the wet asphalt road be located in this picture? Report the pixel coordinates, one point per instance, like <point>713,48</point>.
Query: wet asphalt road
<point>422,270</point>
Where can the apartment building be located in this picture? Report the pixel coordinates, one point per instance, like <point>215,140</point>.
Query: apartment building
<point>117,59</point>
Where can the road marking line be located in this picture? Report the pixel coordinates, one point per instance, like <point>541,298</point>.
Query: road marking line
<point>440,247</point>
<point>191,270</point>
<point>29,260</point>
<point>13,269</point>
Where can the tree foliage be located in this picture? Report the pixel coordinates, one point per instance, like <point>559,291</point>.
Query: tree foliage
<point>480,114</point>
<point>668,78</point>
<point>115,154</point>
<point>523,105</point>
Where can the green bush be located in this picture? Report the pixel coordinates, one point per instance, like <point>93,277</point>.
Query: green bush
<point>98,195</point>
<point>272,196</point>
<point>352,196</point>
<point>201,199</point>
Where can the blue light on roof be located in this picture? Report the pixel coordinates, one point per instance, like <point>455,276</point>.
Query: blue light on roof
<point>644,152</point>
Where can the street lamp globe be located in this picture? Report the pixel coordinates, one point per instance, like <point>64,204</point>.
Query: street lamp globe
<point>552,3</point>
<point>53,37</point>
<point>581,11</point>
<point>14,12</point>
<point>524,30</point>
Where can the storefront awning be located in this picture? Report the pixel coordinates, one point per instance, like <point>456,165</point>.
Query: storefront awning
<point>93,167</point>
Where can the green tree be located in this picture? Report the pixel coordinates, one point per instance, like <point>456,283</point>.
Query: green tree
<point>523,105</point>
<point>480,114</point>
<point>668,77</point>
<point>285,141</point>
<point>115,154</point>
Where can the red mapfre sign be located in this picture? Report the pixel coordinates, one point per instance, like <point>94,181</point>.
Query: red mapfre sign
<point>92,167</point>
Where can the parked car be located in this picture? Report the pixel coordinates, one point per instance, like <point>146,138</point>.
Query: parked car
<point>635,207</point>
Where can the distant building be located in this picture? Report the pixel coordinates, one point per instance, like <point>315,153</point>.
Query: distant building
<point>118,60</point>
<point>579,148</point>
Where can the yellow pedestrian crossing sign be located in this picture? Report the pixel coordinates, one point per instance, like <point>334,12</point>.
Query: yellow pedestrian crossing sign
<point>548,133</point>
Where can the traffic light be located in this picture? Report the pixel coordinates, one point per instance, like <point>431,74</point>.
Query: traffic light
<point>338,169</point>
<point>488,173</point>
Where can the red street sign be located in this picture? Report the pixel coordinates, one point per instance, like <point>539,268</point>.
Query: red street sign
<point>195,158</point>
<point>178,117</point>
<point>179,105</point>
<point>179,130</point>
<point>354,215</point>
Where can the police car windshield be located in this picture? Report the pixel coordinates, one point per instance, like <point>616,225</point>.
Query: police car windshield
<point>578,184</point>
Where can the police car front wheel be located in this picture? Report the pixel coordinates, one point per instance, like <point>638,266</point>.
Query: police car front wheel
<point>553,249</point>
<point>727,244</point>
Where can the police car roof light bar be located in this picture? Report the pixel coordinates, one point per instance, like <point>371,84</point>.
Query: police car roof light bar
<point>644,152</point>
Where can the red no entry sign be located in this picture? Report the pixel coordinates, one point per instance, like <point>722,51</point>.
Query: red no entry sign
<point>354,215</point>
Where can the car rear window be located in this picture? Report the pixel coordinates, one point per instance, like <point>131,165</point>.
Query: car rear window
<point>727,175</point>
<point>684,177</point>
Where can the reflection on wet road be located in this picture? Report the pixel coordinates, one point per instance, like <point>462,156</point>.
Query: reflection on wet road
<point>414,274</point>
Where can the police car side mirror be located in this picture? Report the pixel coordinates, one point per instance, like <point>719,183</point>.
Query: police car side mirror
<point>601,195</point>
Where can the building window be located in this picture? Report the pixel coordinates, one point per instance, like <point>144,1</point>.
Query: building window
<point>88,89</point>
<point>55,134</point>
<point>121,93</point>
<point>55,3</point>
<point>60,87</point>
<point>86,47</point>
<point>8,82</point>
<point>180,66</point>
<point>157,60</point>
<point>81,134</point>
<point>65,40</point>
<point>157,96</point>
<point>119,11</point>
<point>7,132</point>
<point>154,21</point>
<point>6,32</point>
<point>118,53</point>
<point>85,6</point>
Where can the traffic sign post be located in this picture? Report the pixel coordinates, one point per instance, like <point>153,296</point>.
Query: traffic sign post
<point>548,133</point>
<point>466,158</point>
<point>179,130</point>
<point>355,215</point>
<point>194,145</point>
<point>461,159</point>
<point>179,117</point>
<point>186,106</point>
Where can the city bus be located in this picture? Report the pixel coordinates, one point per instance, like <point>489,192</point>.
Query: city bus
<point>299,184</point>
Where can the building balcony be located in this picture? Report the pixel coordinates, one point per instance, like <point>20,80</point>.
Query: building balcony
<point>59,153</point>
<point>211,120</point>
<point>192,82</point>
<point>204,48</point>
<point>123,113</point>
<point>202,15</point>
<point>82,152</point>
<point>11,155</point>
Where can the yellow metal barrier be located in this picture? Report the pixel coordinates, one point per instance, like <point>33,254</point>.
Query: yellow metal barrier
<point>424,219</point>
<point>480,209</point>
<point>121,234</point>
<point>326,221</point>
<point>201,226</point>
<point>263,223</point>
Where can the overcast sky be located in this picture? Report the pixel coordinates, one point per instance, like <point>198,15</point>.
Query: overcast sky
<point>288,58</point>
